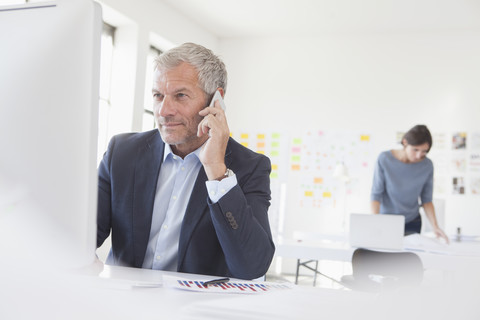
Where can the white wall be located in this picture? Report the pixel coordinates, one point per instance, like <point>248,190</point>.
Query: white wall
<point>381,83</point>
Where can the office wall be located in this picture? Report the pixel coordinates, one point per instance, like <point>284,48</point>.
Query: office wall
<point>373,83</point>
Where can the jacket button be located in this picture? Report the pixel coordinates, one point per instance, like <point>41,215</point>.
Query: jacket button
<point>229,214</point>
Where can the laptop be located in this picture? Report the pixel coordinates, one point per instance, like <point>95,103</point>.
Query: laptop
<point>377,231</point>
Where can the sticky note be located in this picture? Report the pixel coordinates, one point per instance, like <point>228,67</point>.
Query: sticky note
<point>317,180</point>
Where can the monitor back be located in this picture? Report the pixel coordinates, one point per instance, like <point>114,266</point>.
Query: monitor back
<point>49,83</point>
<point>377,231</point>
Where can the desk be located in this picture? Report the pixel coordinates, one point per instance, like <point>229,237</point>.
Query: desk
<point>29,294</point>
<point>456,257</point>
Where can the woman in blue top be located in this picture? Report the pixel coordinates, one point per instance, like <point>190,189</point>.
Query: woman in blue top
<point>403,181</point>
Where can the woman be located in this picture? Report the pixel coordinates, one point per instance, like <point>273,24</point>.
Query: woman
<point>404,176</point>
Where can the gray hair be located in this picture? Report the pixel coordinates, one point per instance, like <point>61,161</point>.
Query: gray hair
<point>212,73</point>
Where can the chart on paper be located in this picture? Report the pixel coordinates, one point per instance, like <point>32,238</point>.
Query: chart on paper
<point>241,287</point>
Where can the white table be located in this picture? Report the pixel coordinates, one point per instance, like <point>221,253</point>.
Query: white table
<point>33,294</point>
<point>456,257</point>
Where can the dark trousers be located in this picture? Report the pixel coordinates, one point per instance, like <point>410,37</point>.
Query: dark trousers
<point>414,226</point>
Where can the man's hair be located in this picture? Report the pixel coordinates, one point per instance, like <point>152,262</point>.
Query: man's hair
<point>212,73</point>
<point>418,135</point>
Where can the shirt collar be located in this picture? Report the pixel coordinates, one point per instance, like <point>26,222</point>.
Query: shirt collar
<point>168,150</point>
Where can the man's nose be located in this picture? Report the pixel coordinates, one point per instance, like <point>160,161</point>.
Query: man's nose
<point>166,107</point>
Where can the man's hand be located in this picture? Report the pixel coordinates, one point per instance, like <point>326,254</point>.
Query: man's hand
<point>212,154</point>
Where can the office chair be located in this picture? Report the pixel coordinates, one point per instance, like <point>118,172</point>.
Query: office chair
<point>377,271</point>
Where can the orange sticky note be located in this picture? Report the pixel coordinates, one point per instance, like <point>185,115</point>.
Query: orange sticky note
<point>318,180</point>
<point>295,167</point>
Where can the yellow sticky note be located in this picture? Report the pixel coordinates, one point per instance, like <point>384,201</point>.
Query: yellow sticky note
<point>274,166</point>
<point>244,136</point>
<point>308,193</point>
<point>245,144</point>
<point>260,136</point>
<point>327,194</point>
<point>261,151</point>
<point>364,137</point>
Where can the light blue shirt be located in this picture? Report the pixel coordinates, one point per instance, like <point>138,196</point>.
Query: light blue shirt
<point>174,186</point>
<point>399,186</point>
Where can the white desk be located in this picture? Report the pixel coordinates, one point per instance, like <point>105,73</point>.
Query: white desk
<point>36,295</point>
<point>456,257</point>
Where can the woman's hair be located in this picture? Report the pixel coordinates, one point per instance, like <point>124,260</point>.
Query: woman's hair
<point>418,135</point>
<point>212,73</point>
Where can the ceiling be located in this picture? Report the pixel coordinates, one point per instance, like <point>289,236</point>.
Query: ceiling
<point>247,18</point>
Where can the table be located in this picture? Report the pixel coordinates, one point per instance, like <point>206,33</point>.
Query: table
<point>108,294</point>
<point>456,257</point>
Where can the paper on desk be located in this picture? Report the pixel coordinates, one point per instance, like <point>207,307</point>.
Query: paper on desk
<point>417,242</point>
<point>242,287</point>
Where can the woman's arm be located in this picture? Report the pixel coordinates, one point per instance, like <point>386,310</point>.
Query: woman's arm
<point>375,205</point>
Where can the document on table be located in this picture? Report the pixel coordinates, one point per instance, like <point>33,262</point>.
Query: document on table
<point>242,287</point>
<point>417,242</point>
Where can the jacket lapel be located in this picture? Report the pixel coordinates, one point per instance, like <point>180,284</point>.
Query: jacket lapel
<point>147,168</point>
<point>196,209</point>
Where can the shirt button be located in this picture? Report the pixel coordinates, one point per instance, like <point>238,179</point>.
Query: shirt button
<point>165,227</point>
<point>174,197</point>
<point>223,190</point>
<point>158,257</point>
<point>183,168</point>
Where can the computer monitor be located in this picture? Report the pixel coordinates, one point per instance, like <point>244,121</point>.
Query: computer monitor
<point>49,83</point>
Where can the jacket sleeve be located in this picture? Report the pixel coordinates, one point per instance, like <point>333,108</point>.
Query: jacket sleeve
<point>240,219</point>
<point>104,196</point>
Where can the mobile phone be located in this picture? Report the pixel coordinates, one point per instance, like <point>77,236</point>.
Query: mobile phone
<point>218,96</point>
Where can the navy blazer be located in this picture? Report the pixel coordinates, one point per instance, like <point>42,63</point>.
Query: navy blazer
<point>229,238</point>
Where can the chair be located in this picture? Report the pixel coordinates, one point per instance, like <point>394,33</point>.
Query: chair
<point>377,271</point>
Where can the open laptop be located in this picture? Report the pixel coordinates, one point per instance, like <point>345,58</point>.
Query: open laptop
<point>377,231</point>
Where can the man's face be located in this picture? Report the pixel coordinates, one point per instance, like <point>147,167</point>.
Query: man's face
<point>177,99</point>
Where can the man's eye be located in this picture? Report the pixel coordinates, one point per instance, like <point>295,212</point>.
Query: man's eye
<point>181,95</point>
<point>158,96</point>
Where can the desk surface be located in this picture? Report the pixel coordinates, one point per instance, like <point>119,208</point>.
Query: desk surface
<point>110,295</point>
<point>434,255</point>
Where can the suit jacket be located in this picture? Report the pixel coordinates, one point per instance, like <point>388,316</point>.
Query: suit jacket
<point>229,238</point>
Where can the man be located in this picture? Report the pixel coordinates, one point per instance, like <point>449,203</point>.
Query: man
<point>186,197</point>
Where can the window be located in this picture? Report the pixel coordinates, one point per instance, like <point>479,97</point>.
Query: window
<point>104,108</point>
<point>148,118</point>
